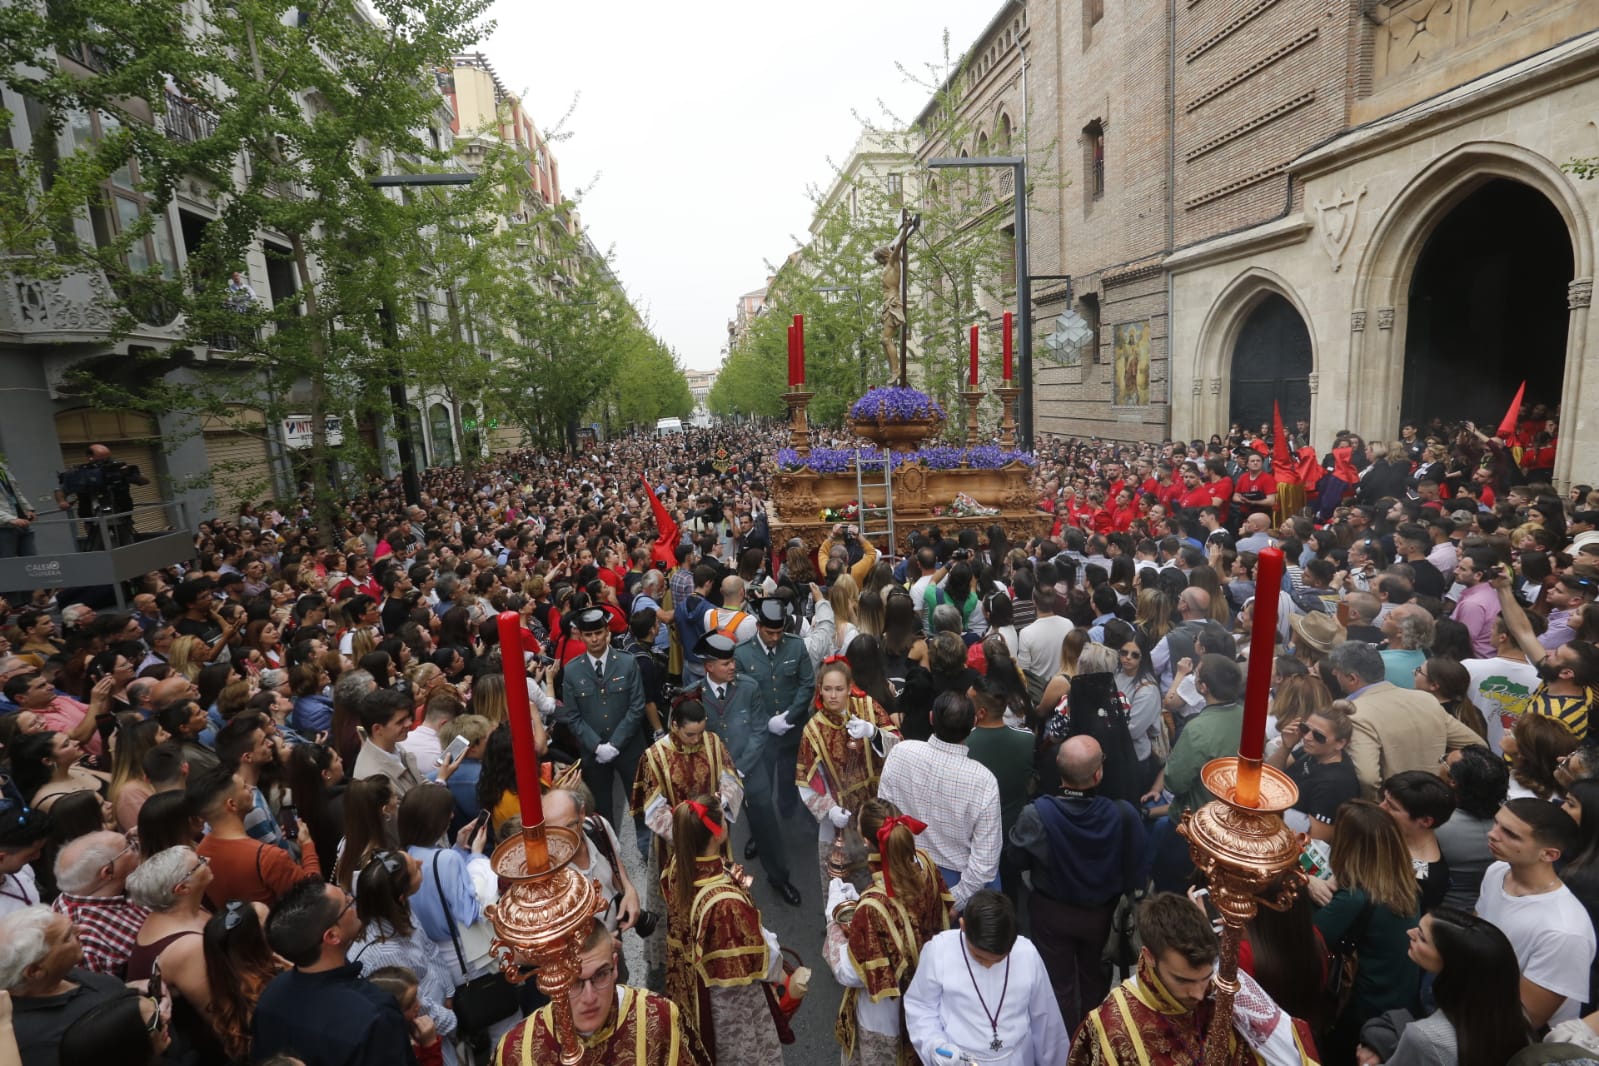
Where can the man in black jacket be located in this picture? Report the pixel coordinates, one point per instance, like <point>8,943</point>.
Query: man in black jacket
<point>1084,851</point>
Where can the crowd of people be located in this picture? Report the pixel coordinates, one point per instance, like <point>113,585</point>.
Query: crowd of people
<point>249,819</point>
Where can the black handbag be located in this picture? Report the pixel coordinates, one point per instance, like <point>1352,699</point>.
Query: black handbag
<point>481,1001</point>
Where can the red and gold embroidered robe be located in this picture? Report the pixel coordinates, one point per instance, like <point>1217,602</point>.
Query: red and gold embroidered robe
<point>644,1030</point>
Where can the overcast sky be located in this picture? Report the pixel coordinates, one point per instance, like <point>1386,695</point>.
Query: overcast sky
<point>698,127</point>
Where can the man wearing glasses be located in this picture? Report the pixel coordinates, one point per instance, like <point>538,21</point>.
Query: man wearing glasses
<point>41,966</point>
<point>322,1011</point>
<point>91,872</point>
<point>614,1021</point>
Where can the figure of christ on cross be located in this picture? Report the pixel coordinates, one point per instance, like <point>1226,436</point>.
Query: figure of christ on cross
<point>895,260</point>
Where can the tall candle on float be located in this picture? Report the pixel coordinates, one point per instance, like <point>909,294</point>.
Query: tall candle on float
<point>971,376</point>
<point>1006,372</point>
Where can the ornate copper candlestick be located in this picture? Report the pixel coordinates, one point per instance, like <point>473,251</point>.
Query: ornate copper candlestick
<point>1007,394</point>
<point>543,919</point>
<point>799,427</point>
<point>1249,858</point>
<point>972,398</point>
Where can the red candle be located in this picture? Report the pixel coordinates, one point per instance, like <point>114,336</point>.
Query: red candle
<point>1007,347</point>
<point>971,375</point>
<point>1262,648</point>
<point>520,713</point>
<point>799,349</point>
<point>793,364</point>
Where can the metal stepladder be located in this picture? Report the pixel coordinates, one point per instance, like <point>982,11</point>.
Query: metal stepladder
<point>874,474</point>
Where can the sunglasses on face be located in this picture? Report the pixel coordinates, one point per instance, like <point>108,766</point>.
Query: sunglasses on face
<point>1131,654</point>
<point>1317,735</point>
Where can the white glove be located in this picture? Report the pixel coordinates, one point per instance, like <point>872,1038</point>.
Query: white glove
<point>840,817</point>
<point>860,728</point>
<point>778,724</point>
<point>605,753</point>
<point>838,892</point>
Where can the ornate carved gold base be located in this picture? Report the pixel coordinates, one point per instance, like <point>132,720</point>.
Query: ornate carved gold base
<point>1007,422</point>
<point>972,398</point>
<point>799,427</point>
<point>542,919</point>
<point>1250,858</point>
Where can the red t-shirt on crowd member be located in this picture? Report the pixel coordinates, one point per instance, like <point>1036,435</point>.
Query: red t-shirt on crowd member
<point>1201,495</point>
<point>1261,482</point>
<point>1223,488</point>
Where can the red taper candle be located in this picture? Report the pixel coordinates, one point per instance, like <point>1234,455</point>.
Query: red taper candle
<point>799,349</point>
<point>523,751</point>
<point>1257,693</point>
<point>971,375</point>
<point>793,364</point>
<point>1007,347</point>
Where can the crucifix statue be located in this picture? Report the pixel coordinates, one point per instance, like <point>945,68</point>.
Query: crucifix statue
<point>895,260</point>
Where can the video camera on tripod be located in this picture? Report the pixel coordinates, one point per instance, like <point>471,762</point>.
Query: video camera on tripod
<point>98,479</point>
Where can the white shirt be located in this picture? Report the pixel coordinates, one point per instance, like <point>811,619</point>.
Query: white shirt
<point>958,798</point>
<point>1500,689</point>
<point>942,1007</point>
<point>423,744</point>
<point>1551,934</point>
<point>18,890</point>
<point>1039,653</point>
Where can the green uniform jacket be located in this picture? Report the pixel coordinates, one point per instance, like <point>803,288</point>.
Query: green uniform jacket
<point>784,682</point>
<point>738,722</point>
<point>603,712</point>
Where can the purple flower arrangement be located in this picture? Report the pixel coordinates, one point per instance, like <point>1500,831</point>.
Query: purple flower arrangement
<point>890,403</point>
<point>935,457</point>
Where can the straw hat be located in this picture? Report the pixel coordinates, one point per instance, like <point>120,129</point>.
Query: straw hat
<point>1318,631</point>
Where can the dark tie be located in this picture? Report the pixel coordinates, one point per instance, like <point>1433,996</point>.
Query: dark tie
<point>720,692</point>
<point>599,667</point>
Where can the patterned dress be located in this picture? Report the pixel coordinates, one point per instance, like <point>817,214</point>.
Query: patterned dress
<point>645,1030</point>
<point>881,947</point>
<point>828,774</point>
<point>717,965</point>
<point>672,772</point>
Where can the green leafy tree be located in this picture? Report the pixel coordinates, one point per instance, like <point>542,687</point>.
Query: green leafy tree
<point>280,113</point>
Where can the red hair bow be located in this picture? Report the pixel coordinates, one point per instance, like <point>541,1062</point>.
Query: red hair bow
<point>705,816</point>
<point>915,825</point>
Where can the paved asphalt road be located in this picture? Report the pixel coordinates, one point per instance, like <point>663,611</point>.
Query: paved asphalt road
<point>799,928</point>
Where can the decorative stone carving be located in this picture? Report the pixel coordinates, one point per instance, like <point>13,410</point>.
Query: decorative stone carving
<point>1314,380</point>
<point>1357,321</point>
<point>76,303</point>
<point>1215,386</point>
<point>1579,293</point>
<point>1385,318</point>
<point>1198,386</point>
<point>1335,222</point>
<point>1409,35</point>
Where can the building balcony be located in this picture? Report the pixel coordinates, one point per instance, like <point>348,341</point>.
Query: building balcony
<point>187,121</point>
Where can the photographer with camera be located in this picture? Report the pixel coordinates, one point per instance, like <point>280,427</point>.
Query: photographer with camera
<point>101,486</point>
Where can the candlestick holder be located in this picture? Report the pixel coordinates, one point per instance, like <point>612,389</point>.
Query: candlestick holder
<point>972,397</point>
<point>543,919</point>
<point>1249,858</point>
<point>799,427</point>
<point>1007,394</point>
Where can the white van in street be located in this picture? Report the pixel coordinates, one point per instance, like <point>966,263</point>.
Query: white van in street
<point>668,425</point>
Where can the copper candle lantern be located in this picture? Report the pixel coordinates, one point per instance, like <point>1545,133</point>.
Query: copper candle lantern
<point>1249,857</point>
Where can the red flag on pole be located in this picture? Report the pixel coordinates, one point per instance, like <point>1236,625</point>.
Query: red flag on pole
<point>1508,424</point>
<point>665,547</point>
<point>1282,460</point>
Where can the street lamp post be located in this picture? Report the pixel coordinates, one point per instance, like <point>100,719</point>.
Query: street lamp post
<point>403,443</point>
<point>1024,284</point>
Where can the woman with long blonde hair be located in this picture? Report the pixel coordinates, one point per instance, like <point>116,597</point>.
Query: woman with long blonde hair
<point>1374,899</point>
<point>718,953</point>
<point>874,950</point>
<point>187,656</point>
<point>1153,615</point>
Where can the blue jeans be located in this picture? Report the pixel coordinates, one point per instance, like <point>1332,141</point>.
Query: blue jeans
<point>16,542</point>
<point>953,878</point>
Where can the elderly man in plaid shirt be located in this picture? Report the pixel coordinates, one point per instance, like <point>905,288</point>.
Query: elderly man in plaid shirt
<point>91,871</point>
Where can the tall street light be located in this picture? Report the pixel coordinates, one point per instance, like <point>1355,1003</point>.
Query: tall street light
<point>391,337</point>
<point>1024,283</point>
